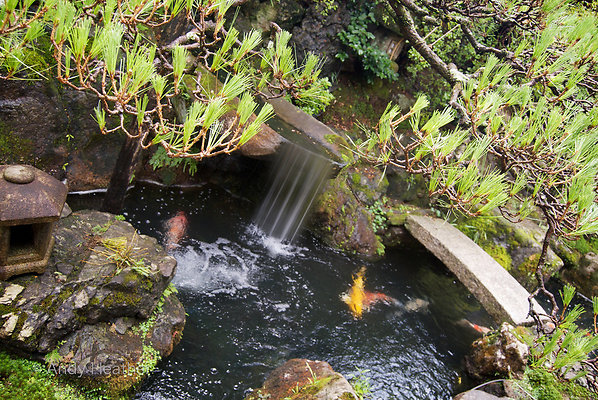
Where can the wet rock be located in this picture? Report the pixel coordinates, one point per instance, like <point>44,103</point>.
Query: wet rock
<point>354,214</point>
<point>53,129</point>
<point>499,354</point>
<point>93,317</point>
<point>515,246</point>
<point>266,142</point>
<point>318,33</point>
<point>305,379</point>
<point>342,219</point>
<point>584,275</point>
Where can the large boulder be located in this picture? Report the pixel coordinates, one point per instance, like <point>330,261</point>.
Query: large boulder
<point>318,33</point>
<point>342,216</point>
<point>104,308</point>
<point>499,354</point>
<point>354,214</point>
<point>51,127</point>
<point>306,380</point>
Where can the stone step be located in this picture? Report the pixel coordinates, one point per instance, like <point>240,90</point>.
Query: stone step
<point>500,294</point>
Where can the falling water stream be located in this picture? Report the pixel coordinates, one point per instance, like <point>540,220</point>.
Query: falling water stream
<point>253,302</point>
<point>298,177</point>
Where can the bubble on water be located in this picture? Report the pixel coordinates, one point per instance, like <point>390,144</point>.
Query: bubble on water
<point>282,307</point>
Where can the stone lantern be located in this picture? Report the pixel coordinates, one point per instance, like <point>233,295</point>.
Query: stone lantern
<point>30,203</point>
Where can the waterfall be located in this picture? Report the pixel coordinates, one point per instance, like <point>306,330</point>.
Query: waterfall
<point>298,176</point>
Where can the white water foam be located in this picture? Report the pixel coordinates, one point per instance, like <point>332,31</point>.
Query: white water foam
<point>212,268</point>
<point>276,247</point>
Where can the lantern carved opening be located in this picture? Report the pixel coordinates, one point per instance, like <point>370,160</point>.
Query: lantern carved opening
<point>31,201</point>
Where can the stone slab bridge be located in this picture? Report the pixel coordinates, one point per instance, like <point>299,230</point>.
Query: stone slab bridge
<point>500,294</point>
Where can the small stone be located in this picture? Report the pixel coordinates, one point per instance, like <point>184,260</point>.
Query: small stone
<point>167,266</point>
<point>121,325</point>
<point>66,211</point>
<point>81,300</point>
<point>10,293</point>
<point>476,395</point>
<point>19,174</point>
<point>9,325</point>
<point>32,323</point>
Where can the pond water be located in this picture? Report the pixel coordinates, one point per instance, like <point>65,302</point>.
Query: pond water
<point>253,303</point>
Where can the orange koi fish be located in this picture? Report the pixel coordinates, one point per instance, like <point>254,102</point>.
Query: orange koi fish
<point>176,228</point>
<point>358,299</point>
<point>478,328</point>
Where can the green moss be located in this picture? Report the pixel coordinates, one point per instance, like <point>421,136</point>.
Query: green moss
<point>14,148</point>
<point>545,386</point>
<point>342,145</point>
<point>500,254</point>
<point>6,309</point>
<point>131,277</point>
<point>25,379</point>
<point>529,266</point>
<point>120,298</point>
<point>585,245</point>
<point>312,388</point>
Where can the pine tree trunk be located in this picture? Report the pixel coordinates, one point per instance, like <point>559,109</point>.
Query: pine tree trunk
<point>121,176</point>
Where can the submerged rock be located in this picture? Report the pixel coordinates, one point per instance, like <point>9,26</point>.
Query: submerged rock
<point>307,380</point>
<point>89,316</point>
<point>499,354</point>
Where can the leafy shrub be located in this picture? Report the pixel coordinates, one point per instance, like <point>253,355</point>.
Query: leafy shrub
<point>361,42</point>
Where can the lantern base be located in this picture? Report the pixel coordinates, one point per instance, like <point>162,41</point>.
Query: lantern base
<point>37,266</point>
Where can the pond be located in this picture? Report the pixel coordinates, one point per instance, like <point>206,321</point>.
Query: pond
<point>253,303</point>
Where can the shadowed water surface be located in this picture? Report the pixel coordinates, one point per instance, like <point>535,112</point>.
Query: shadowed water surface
<point>253,303</point>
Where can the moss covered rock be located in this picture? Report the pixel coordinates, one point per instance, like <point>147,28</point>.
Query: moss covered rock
<point>342,216</point>
<point>98,313</point>
<point>354,214</point>
<point>515,246</point>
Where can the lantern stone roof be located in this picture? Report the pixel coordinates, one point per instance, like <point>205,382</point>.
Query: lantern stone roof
<point>28,195</point>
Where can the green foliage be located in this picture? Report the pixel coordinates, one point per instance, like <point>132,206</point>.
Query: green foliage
<point>543,385</point>
<point>327,6</point>
<point>148,361</point>
<point>378,211</point>
<point>105,49</point>
<point>361,42</point>
<point>567,345</point>
<point>160,159</point>
<point>25,379</point>
<point>548,144</point>
<point>361,384</point>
